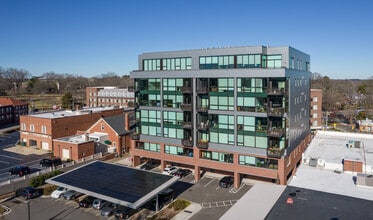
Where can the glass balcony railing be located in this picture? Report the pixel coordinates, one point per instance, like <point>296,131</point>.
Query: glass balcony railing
<point>203,144</point>
<point>276,132</point>
<point>274,152</point>
<point>276,112</point>
<point>186,107</point>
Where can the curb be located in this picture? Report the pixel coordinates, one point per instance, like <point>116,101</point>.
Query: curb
<point>188,212</point>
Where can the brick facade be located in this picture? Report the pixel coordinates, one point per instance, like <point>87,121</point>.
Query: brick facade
<point>11,110</point>
<point>316,109</point>
<point>40,129</point>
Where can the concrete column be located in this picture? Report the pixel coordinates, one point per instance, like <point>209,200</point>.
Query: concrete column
<point>136,161</point>
<point>163,165</point>
<point>197,173</point>
<point>237,180</point>
<point>281,172</point>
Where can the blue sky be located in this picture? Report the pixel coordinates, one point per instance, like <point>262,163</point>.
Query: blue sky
<point>90,37</point>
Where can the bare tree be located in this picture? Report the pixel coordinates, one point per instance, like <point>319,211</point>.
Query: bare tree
<point>16,76</point>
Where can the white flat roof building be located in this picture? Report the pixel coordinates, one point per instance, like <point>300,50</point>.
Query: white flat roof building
<point>329,148</point>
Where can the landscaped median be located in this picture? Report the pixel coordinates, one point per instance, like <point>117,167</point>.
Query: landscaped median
<point>171,210</point>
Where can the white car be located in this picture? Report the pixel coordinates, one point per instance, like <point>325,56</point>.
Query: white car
<point>58,193</point>
<point>170,170</point>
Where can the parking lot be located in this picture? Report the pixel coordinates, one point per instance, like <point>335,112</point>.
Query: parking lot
<point>215,201</point>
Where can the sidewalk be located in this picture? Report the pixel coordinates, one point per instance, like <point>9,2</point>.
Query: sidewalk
<point>188,212</point>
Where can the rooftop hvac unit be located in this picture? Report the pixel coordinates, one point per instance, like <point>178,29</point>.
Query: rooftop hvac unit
<point>313,162</point>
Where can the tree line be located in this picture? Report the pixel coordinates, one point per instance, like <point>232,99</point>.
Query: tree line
<point>19,81</point>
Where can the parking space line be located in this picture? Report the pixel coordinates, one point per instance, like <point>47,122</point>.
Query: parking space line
<point>209,182</point>
<point>4,162</point>
<point>14,158</point>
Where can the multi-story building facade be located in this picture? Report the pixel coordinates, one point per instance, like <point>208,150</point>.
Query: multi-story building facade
<point>39,130</point>
<point>11,110</point>
<point>242,111</point>
<point>316,109</point>
<point>108,96</point>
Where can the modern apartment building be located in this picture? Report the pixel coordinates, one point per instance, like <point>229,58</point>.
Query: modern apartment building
<point>316,109</point>
<point>108,96</point>
<point>240,111</point>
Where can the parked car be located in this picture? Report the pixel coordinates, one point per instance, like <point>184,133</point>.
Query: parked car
<point>28,192</point>
<point>123,212</point>
<point>87,202</point>
<point>108,209</point>
<point>182,172</point>
<point>226,181</point>
<point>170,170</point>
<point>164,197</point>
<point>150,164</point>
<point>19,170</point>
<point>71,194</point>
<point>50,162</point>
<point>99,203</point>
<point>58,193</point>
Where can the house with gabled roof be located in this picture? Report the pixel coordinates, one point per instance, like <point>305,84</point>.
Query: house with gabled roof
<point>112,132</point>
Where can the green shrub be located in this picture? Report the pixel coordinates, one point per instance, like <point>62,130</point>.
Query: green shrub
<point>2,210</point>
<point>179,204</point>
<point>40,180</point>
<point>49,189</point>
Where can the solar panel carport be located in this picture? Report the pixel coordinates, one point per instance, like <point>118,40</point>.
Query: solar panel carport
<point>126,186</point>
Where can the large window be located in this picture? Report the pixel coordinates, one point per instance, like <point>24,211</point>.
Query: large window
<point>273,61</point>
<point>222,129</point>
<point>249,61</point>
<point>180,63</point>
<point>172,95</point>
<point>152,147</point>
<point>217,156</point>
<point>251,131</point>
<point>149,92</point>
<point>183,63</point>
<point>216,62</point>
<point>222,95</point>
<point>257,162</point>
<point>150,122</point>
<point>172,122</point>
<point>251,85</point>
<point>169,149</point>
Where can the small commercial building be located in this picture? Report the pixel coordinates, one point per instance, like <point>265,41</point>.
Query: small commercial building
<point>73,147</point>
<point>39,130</point>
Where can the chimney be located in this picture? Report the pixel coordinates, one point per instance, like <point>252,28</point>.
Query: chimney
<point>126,122</point>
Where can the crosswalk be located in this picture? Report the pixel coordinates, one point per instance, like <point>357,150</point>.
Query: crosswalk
<point>218,204</point>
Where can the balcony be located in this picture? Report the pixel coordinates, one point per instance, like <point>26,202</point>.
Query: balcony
<point>203,144</point>
<point>275,91</point>
<point>203,126</point>
<point>187,125</point>
<point>276,132</point>
<point>135,136</point>
<point>186,107</point>
<point>203,90</point>
<point>186,89</point>
<point>276,112</point>
<point>202,108</point>
<point>187,142</point>
<point>274,152</point>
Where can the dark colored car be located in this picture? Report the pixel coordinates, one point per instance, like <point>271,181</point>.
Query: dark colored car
<point>226,181</point>
<point>50,162</point>
<point>28,192</point>
<point>87,202</point>
<point>123,212</point>
<point>182,172</point>
<point>150,164</point>
<point>19,170</point>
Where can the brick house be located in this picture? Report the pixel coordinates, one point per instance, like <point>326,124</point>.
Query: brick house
<point>39,130</point>
<point>316,109</point>
<point>11,110</point>
<point>116,130</point>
